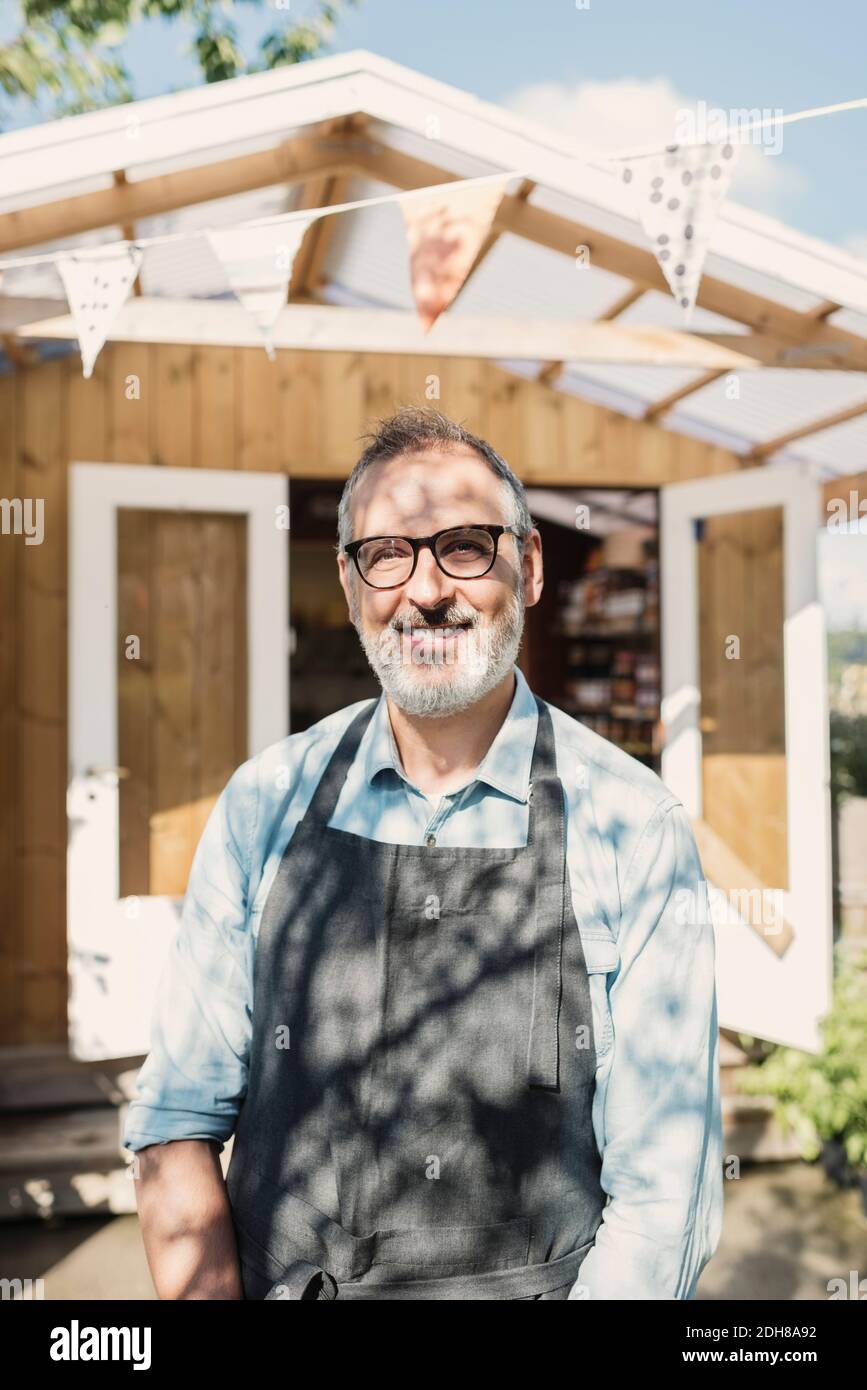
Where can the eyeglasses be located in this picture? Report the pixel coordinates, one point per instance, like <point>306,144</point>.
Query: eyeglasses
<point>462,552</point>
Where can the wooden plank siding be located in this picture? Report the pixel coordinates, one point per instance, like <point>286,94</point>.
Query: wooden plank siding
<point>182,702</point>
<point>740,565</point>
<point>303,414</point>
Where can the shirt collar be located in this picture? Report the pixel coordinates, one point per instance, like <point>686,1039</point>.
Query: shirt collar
<point>505,766</point>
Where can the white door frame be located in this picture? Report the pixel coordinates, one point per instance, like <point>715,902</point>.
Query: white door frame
<point>117,946</point>
<point>778,998</point>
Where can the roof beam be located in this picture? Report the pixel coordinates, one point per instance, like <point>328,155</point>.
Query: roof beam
<point>128,228</point>
<point>665,403</point>
<point>124,203</point>
<point>823,310</point>
<point>15,310</point>
<point>840,417</point>
<point>318,192</point>
<point>307,269</point>
<point>551,370</point>
<point>787,331</point>
<point>782,337</point>
<point>21,355</point>
<point>385,330</point>
<point>620,305</point>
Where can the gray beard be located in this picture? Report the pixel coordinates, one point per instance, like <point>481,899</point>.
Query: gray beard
<point>469,666</point>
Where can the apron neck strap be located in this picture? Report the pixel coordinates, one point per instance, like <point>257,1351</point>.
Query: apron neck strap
<point>324,799</point>
<point>544,764</point>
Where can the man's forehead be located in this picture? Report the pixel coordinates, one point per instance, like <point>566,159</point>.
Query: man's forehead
<point>410,487</point>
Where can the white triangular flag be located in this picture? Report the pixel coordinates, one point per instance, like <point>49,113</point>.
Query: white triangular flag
<point>678,194</point>
<point>97,285</point>
<point>258,263</point>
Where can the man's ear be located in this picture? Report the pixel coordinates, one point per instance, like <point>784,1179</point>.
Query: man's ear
<point>532,569</point>
<point>345,577</point>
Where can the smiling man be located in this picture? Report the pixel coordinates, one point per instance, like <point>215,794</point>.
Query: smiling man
<point>445,969</point>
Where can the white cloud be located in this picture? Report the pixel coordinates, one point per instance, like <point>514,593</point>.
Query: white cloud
<point>630,113</point>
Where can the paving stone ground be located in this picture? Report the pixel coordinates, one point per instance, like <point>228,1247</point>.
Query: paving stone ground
<point>787,1231</point>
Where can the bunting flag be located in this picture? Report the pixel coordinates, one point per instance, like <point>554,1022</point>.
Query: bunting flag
<point>679,193</point>
<point>445,229</point>
<point>97,285</point>
<point>258,264</point>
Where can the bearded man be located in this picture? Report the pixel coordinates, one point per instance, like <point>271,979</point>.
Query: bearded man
<point>445,969</point>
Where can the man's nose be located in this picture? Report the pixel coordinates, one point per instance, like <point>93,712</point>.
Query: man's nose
<point>429,587</point>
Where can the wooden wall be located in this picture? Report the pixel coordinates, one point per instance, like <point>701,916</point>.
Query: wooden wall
<point>214,408</point>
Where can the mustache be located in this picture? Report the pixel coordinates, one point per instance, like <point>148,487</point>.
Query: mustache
<point>452,619</point>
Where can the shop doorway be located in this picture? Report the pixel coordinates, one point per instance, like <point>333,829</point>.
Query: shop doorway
<point>592,642</point>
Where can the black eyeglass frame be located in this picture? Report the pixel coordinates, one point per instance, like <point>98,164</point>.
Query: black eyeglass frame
<point>429,542</point>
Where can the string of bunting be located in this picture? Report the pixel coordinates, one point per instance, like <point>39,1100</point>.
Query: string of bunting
<point>678,191</point>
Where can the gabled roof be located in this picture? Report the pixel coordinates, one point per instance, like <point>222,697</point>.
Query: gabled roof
<point>355,126</point>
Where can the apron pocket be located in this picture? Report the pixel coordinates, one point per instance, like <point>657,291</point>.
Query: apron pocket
<point>456,1249</point>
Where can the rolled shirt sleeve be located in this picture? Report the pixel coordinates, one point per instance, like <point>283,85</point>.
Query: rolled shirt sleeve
<point>662,1155</point>
<point>194,1078</point>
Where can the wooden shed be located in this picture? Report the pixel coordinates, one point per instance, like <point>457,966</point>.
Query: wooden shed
<point>162,629</point>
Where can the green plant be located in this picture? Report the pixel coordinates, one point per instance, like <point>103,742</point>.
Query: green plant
<point>824,1097</point>
<point>69,51</point>
<point>848,755</point>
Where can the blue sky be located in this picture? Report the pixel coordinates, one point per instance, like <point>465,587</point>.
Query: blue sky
<point>614,73</point>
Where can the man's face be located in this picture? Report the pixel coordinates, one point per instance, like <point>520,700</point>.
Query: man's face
<point>436,643</point>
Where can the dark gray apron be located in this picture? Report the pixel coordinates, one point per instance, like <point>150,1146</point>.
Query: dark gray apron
<point>417,1122</point>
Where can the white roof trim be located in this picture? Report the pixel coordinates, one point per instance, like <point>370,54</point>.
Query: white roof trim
<point>183,123</point>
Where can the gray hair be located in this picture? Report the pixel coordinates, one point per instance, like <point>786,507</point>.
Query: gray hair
<point>414,429</point>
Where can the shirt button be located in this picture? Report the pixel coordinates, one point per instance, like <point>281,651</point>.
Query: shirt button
<point>431,840</point>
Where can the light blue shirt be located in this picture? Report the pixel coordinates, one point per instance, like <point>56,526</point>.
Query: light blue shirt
<point>641,904</point>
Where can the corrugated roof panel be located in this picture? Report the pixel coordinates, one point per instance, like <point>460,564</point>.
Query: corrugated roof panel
<point>43,280</point>
<point>519,279</point>
<point>600,389</point>
<point>188,269</point>
<point>645,384</point>
<point>841,449</point>
<point>602,220</point>
<point>367,254</point>
<point>657,310</point>
<point>771,402</point>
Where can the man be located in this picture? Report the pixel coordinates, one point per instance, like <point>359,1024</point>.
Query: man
<point>445,968</point>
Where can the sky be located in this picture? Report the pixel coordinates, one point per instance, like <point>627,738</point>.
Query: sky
<point>612,73</point>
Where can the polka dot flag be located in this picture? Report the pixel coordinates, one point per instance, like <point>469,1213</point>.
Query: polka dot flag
<point>97,285</point>
<point>678,195</point>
